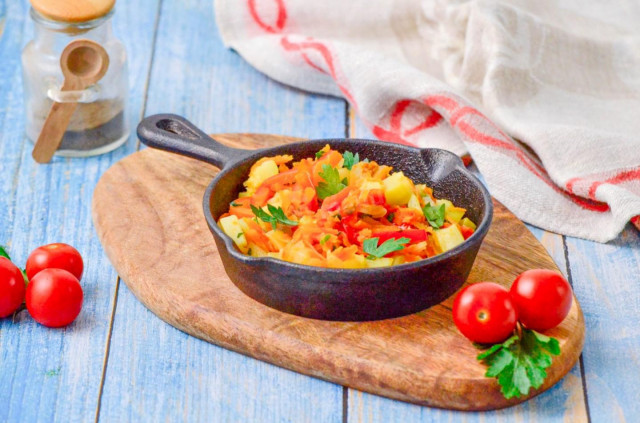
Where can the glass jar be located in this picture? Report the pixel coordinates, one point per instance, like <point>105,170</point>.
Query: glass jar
<point>99,123</point>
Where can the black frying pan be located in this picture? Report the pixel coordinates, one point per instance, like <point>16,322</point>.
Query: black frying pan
<point>322,293</point>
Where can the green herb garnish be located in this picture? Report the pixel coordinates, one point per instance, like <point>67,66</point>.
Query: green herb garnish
<point>234,204</point>
<point>371,247</point>
<point>390,217</point>
<point>277,216</point>
<point>350,159</point>
<point>319,154</point>
<point>325,239</point>
<point>520,362</point>
<point>53,372</point>
<point>332,184</point>
<point>434,215</point>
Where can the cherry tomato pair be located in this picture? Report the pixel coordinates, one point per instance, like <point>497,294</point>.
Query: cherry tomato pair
<point>53,295</point>
<point>487,313</point>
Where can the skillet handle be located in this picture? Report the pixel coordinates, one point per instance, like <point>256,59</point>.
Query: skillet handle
<point>176,134</point>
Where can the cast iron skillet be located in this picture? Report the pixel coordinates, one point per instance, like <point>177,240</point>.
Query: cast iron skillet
<point>322,293</point>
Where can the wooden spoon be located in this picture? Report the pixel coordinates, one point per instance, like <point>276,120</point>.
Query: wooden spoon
<point>83,63</point>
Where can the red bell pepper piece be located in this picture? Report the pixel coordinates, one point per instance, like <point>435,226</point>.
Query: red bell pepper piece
<point>278,181</point>
<point>334,201</point>
<point>376,197</point>
<point>415,235</point>
<point>261,196</point>
<point>347,223</point>
<point>466,232</point>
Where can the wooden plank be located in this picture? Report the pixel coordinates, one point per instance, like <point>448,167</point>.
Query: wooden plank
<point>411,351</point>
<point>48,374</point>
<point>606,278</point>
<point>563,402</point>
<point>154,371</point>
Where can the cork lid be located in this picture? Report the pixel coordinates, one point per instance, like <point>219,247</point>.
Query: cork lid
<point>73,10</point>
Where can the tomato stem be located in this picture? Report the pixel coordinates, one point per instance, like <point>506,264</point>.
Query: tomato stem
<point>518,330</point>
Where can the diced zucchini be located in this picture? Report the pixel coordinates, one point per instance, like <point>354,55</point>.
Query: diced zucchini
<point>381,262</point>
<point>427,200</point>
<point>297,253</point>
<point>280,199</point>
<point>468,223</point>
<point>451,213</point>
<point>261,173</point>
<point>256,251</point>
<point>448,238</point>
<point>356,262</point>
<point>231,226</point>
<point>397,189</point>
<point>369,185</point>
<point>278,238</point>
<point>447,204</point>
<point>344,173</point>
<point>414,203</point>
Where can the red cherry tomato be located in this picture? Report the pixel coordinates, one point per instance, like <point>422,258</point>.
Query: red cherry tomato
<point>54,297</point>
<point>11,287</point>
<point>484,313</point>
<point>56,256</point>
<point>542,297</point>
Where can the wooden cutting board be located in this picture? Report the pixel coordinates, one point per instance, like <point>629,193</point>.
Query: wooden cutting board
<point>147,210</point>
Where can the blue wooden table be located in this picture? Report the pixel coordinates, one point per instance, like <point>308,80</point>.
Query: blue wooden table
<point>118,362</point>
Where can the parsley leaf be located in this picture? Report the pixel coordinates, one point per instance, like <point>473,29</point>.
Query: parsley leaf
<point>370,246</point>
<point>3,253</point>
<point>332,184</point>
<point>520,362</point>
<point>234,204</point>
<point>277,216</point>
<point>325,239</point>
<point>390,217</point>
<point>434,215</point>
<point>278,213</point>
<point>350,159</point>
<point>319,154</point>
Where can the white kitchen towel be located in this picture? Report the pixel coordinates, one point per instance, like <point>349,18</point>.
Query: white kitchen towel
<point>561,78</point>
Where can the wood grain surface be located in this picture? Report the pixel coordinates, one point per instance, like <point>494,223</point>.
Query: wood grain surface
<point>147,212</point>
<point>49,375</point>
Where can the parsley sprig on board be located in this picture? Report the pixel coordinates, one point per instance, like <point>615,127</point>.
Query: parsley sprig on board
<point>332,183</point>
<point>434,215</point>
<point>374,251</point>
<point>277,216</point>
<point>520,362</point>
